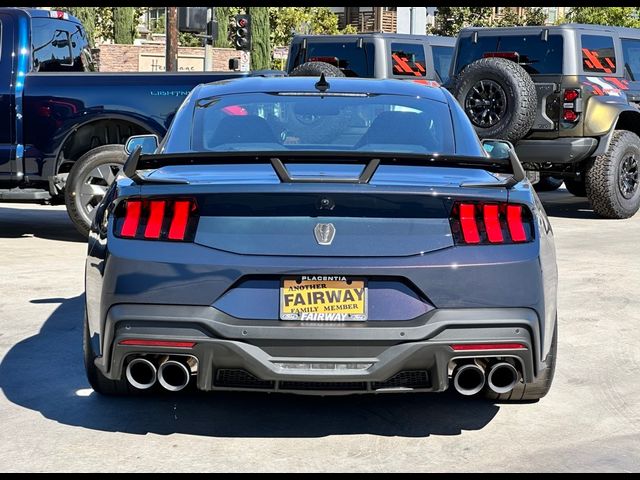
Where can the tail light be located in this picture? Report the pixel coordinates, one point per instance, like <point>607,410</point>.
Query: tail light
<point>174,219</point>
<point>475,223</point>
<point>572,105</point>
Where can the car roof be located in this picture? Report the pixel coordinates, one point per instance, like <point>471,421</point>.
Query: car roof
<point>565,26</point>
<point>307,84</point>
<point>38,13</point>
<point>436,39</point>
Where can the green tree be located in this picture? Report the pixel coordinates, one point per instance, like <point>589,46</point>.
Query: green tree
<point>124,25</point>
<point>285,21</point>
<point>449,20</point>
<point>613,16</point>
<point>532,16</point>
<point>260,44</point>
<point>224,16</point>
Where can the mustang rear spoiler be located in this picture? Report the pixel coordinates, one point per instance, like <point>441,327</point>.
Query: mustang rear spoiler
<point>136,163</point>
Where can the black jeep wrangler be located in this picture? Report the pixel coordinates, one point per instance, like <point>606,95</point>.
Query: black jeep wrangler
<point>567,96</point>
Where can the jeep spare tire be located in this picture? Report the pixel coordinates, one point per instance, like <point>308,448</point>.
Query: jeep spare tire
<point>499,98</point>
<point>315,69</point>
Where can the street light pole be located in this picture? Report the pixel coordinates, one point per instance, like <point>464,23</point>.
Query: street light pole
<point>171,29</point>
<point>208,44</point>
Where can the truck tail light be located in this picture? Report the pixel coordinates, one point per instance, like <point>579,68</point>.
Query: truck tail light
<point>572,105</point>
<point>169,219</point>
<point>476,223</point>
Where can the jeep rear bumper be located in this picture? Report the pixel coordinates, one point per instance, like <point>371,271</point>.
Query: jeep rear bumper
<point>558,150</point>
<point>320,358</point>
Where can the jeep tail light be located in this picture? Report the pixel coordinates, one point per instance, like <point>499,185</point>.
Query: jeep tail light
<point>170,219</point>
<point>571,94</point>
<point>479,223</point>
<point>572,105</point>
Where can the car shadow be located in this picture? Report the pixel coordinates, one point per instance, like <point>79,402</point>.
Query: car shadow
<point>45,373</point>
<point>561,203</point>
<point>40,221</point>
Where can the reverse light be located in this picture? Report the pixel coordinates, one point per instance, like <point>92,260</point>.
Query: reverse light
<point>474,223</point>
<point>157,219</point>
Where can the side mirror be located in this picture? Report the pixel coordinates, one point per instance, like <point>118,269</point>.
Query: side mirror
<point>147,143</point>
<point>498,149</point>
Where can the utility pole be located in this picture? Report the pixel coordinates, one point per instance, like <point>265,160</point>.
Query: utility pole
<point>208,44</point>
<point>171,60</point>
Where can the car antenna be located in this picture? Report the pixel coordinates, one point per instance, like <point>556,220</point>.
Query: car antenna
<point>322,84</point>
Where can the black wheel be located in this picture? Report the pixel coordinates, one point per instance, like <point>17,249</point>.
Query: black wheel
<point>612,181</point>
<point>97,380</point>
<point>315,69</point>
<point>537,389</point>
<point>576,187</point>
<point>88,181</point>
<point>499,98</point>
<point>314,128</point>
<point>548,184</point>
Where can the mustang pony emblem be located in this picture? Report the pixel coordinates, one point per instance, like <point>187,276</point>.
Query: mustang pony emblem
<point>324,233</point>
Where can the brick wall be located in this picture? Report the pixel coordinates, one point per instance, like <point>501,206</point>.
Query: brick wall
<point>126,58</point>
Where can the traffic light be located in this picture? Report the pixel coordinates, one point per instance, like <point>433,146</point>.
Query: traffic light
<point>242,32</point>
<point>192,19</point>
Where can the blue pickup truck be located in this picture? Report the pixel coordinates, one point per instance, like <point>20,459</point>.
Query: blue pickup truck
<point>63,125</point>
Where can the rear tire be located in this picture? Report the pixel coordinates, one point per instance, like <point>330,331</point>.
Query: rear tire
<point>499,97</point>
<point>548,184</point>
<point>576,187</point>
<point>535,390</point>
<point>88,181</point>
<point>97,380</point>
<point>612,181</point>
<point>315,69</point>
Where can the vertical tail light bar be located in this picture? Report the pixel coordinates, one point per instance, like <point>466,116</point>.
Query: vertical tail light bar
<point>479,223</point>
<point>157,219</point>
<point>468,223</point>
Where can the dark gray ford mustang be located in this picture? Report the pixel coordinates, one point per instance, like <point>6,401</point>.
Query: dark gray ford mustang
<point>321,236</point>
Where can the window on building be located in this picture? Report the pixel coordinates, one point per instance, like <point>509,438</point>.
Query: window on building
<point>598,54</point>
<point>407,59</point>
<point>156,19</point>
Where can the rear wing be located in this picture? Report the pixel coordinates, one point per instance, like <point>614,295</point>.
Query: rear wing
<point>137,163</point>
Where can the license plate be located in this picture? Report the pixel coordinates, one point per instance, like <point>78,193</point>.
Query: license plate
<point>325,298</point>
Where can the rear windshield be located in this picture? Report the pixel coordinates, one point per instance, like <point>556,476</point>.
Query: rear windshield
<point>313,122</point>
<point>347,56</point>
<point>534,54</point>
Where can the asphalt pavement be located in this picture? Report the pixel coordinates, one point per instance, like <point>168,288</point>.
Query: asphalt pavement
<point>51,420</point>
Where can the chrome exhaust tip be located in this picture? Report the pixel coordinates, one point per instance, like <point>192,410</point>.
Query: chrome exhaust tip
<point>173,375</point>
<point>141,373</point>
<point>502,377</point>
<point>468,379</point>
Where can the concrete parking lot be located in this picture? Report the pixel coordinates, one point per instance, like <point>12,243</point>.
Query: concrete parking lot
<point>52,421</point>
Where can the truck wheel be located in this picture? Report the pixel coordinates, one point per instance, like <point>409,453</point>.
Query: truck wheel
<point>612,181</point>
<point>576,187</point>
<point>548,184</point>
<point>537,389</point>
<point>499,98</point>
<point>308,126</point>
<point>315,69</point>
<point>97,380</point>
<point>88,181</point>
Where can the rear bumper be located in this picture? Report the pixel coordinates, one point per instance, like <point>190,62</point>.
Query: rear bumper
<point>558,150</point>
<point>235,354</point>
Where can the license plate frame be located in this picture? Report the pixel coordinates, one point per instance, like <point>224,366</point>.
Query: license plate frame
<point>360,313</point>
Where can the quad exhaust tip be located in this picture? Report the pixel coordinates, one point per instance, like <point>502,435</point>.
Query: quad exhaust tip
<point>502,377</point>
<point>173,375</point>
<point>141,373</point>
<point>468,379</point>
